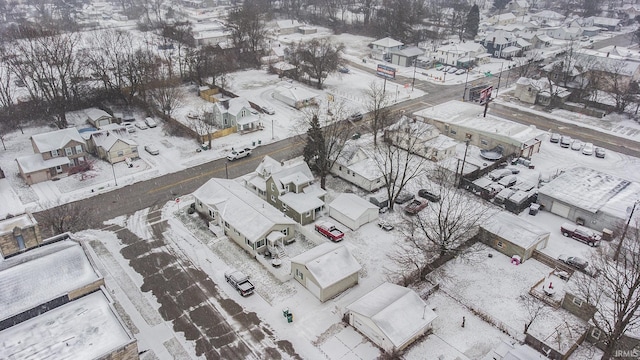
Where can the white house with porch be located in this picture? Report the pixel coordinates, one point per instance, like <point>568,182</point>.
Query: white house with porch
<point>242,216</point>
<point>238,113</point>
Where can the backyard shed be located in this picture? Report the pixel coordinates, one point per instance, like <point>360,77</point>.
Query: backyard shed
<point>352,210</point>
<point>326,270</point>
<point>512,235</point>
<point>391,316</point>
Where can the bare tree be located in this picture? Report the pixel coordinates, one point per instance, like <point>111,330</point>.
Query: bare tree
<point>60,217</point>
<point>534,309</point>
<point>618,82</point>
<point>377,102</point>
<point>318,58</point>
<point>614,292</point>
<point>248,29</point>
<point>107,59</point>
<point>204,124</point>
<point>167,96</point>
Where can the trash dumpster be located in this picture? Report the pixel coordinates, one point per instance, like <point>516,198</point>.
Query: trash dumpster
<point>534,208</point>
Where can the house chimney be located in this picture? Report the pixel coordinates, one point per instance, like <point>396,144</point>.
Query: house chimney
<point>607,54</point>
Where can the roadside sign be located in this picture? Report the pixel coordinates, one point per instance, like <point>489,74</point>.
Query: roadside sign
<point>485,95</point>
<point>386,71</point>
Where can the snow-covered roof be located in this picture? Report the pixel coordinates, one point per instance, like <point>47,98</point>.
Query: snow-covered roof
<point>244,210</point>
<point>514,229</point>
<point>440,142</point>
<point>304,201</point>
<point>37,276</point>
<point>297,93</point>
<point>469,116</point>
<point>287,24</point>
<point>86,328</point>
<point>359,161</point>
<point>503,17</point>
<point>11,204</point>
<point>548,14</point>
<point>351,205</point>
<point>94,114</point>
<point>35,162</point>
<point>107,138</point>
<point>55,140</point>
<point>328,263</point>
<point>387,42</point>
<point>590,190</point>
<point>522,43</point>
<point>409,51</point>
<point>598,20</point>
<point>397,311</point>
<point>233,106</point>
<point>20,221</point>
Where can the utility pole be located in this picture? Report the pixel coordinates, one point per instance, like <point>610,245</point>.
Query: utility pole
<point>464,159</point>
<point>624,232</point>
<point>464,94</point>
<point>499,78</point>
<point>413,83</point>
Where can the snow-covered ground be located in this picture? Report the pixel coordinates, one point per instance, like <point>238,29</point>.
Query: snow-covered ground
<point>317,329</point>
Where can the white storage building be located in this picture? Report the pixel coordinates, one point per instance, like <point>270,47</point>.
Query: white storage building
<point>352,210</point>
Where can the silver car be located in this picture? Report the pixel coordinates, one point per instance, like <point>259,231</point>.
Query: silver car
<point>151,149</point>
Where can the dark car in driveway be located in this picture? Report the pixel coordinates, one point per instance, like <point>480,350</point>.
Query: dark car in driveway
<point>426,194</point>
<point>574,261</point>
<point>415,206</point>
<point>403,197</point>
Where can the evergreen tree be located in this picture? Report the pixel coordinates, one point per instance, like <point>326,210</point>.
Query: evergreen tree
<point>472,23</point>
<point>314,149</point>
<point>500,4</point>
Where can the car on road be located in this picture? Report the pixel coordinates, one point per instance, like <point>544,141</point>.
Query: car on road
<point>344,69</point>
<point>151,122</point>
<point>151,149</point>
<point>268,110</point>
<point>600,152</point>
<point>140,125</point>
<point>357,116</point>
<point>574,261</point>
<point>238,154</point>
<point>554,138</point>
<point>426,194</point>
<point>415,206</point>
<point>403,197</point>
<point>460,71</point>
<point>565,141</point>
<point>576,145</point>
<point>385,226</point>
<point>587,149</point>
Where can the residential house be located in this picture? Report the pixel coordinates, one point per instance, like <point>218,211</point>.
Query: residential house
<point>17,234</point>
<point>501,44</point>
<point>609,24</point>
<point>513,235</point>
<point>287,27</point>
<point>591,197</point>
<point>464,122</point>
<point>326,270</point>
<point>98,118</point>
<point>391,316</point>
<point>113,145</point>
<point>59,301</point>
<point>297,97</point>
<point>406,56</point>
<point>352,210</point>
<point>357,165</point>
<point>209,33</point>
<point>463,55</point>
<point>513,351</point>
<point>236,113</point>
<point>249,221</point>
<point>503,19</point>
<point>532,91</point>
<point>564,33</point>
<point>518,7</point>
<point>381,49</point>
<point>292,190</point>
<point>55,154</point>
<point>547,18</point>
<point>421,138</point>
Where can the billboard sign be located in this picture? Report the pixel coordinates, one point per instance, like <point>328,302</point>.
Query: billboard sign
<point>386,71</point>
<point>485,94</point>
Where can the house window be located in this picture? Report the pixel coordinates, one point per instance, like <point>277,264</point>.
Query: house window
<point>68,151</point>
<point>577,301</point>
<point>500,244</point>
<point>273,186</point>
<point>340,167</point>
<point>134,150</point>
<point>226,224</point>
<point>212,214</point>
<point>308,214</point>
<point>484,142</point>
<point>285,207</point>
<point>249,243</point>
<point>78,149</point>
<point>260,243</point>
<point>285,231</point>
<point>378,181</point>
<point>299,274</point>
<point>453,131</point>
<point>58,169</point>
<point>120,153</point>
<point>595,333</point>
<point>20,241</point>
<point>273,198</point>
<point>54,153</point>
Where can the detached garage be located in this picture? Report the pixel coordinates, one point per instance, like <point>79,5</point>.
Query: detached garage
<point>352,210</point>
<point>326,270</point>
<point>391,316</point>
<point>513,235</point>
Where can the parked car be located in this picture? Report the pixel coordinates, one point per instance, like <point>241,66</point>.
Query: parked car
<point>580,233</point>
<point>498,174</point>
<point>415,206</point>
<point>574,261</point>
<point>565,141</point>
<point>424,193</point>
<point>140,125</point>
<point>357,116</point>
<point>329,231</point>
<point>508,181</point>
<point>385,226</point>
<point>268,110</point>
<point>151,149</point>
<point>446,68</point>
<point>576,145</point>
<point>238,154</point>
<point>555,138</point>
<point>460,71</point>
<point>403,197</point>
<point>599,152</point>
<point>130,127</point>
<point>452,70</point>
<point>151,122</point>
<point>587,149</point>
<point>240,282</point>
<point>514,170</point>
<point>344,69</point>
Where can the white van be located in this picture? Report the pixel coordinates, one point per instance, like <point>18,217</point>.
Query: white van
<point>151,122</point>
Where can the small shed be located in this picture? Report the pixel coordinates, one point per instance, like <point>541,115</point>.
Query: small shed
<point>391,316</point>
<point>294,96</point>
<point>352,210</point>
<point>513,235</point>
<point>326,270</point>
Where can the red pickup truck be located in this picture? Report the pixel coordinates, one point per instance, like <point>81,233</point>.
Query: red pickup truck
<point>580,233</point>
<point>329,231</point>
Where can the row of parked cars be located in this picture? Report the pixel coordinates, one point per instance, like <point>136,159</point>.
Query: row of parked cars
<point>453,70</point>
<point>577,145</point>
